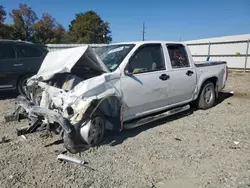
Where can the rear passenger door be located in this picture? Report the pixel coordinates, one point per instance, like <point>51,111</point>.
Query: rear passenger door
<point>31,57</point>
<point>9,70</point>
<point>182,75</point>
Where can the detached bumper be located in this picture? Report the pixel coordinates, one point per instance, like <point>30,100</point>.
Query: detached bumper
<point>35,111</point>
<point>71,138</point>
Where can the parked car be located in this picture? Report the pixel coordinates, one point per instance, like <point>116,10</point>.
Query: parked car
<point>125,86</point>
<point>19,61</point>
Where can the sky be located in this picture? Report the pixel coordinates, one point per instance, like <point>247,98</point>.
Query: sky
<point>172,20</point>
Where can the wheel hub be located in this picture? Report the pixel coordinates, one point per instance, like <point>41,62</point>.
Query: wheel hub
<point>93,131</point>
<point>208,96</point>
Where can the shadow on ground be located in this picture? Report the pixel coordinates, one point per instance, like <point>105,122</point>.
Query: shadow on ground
<point>116,138</point>
<point>8,95</point>
<point>223,96</point>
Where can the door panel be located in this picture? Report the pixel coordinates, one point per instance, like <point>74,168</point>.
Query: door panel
<point>144,92</point>
<point>182,86</point>
<point>10,67</point>
<point>145,85</point>
<point>183,75</point>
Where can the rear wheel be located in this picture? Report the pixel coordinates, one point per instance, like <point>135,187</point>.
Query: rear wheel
<point>207,96</point>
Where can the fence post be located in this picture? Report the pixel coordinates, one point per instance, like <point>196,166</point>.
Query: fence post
<point>246,56</point>
<point>208,53</point>
<point>209,48</point>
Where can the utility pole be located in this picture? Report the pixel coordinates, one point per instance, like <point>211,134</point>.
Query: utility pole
<point>143,31</point>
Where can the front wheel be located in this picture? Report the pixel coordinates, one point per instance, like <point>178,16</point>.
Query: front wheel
<point>94,130</point>
<point>207,96</point>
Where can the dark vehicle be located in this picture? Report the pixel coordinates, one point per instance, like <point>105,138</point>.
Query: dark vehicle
<point>19,60</point>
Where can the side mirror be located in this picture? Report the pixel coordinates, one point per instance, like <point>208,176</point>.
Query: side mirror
<point>128,70</point>
<point>127,73</point>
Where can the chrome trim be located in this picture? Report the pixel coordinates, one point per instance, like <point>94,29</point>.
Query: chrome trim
<point>155,117</point>
<point>5,86</point>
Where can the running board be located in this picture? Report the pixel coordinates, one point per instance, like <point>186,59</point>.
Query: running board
<point>155,117</point>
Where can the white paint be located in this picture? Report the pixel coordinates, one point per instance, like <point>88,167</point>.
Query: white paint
<point>222,49</point>
<point>63,60</point>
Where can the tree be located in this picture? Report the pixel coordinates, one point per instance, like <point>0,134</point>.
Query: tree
<point>5,30</point>
<point>59,33</point>
<point>2,14</point>
<point>88,27</point>
<point>47,30</point>
<point>23,21</point>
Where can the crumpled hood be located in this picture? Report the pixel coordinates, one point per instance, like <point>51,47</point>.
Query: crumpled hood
<point>62,61</point>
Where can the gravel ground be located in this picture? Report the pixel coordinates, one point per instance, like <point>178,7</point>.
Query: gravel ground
<point>195,149</point>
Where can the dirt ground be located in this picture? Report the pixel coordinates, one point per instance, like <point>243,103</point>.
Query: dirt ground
<point>199,148</point>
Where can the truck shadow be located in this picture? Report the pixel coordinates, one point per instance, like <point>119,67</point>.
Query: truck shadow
<point>223,96</point>
<point>116,138</point>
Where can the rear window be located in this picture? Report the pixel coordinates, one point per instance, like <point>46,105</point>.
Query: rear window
<point>7,51</point>
<point>178,56</point>
<point>29,50</point>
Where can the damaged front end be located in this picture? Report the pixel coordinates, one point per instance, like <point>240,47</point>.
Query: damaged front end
<point>71,95</point>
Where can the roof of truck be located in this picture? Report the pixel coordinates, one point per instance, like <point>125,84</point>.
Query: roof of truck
<point>148,42</point>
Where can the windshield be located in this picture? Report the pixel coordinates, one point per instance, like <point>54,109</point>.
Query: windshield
<point>113,55</point>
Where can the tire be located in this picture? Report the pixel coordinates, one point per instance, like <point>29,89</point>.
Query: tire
<point>207,96</point>
<point>94,131</point>
<point>21,84</point>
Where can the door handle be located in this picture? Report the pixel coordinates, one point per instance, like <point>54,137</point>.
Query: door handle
<point>18,65</point>
<point>164,77</point>
<point>189,73</point>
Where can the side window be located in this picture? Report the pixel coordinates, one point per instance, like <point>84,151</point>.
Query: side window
<point>29,50</point>
<point>7,51</point>
<point>178,56</point>
<point>148,58</point>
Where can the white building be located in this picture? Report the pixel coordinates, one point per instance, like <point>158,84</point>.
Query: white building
<point>233,49</point>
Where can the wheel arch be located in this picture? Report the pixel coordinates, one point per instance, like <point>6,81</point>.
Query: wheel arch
<point>21,77</point>
<point>212,79</point>
<point>111,108</point>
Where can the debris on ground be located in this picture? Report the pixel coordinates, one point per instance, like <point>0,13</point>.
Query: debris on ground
<point>234,147</point>
<point>22,130</point>
<point>4,140</point>
<point>62,157</point>
<point>24,137</point>
<point>177,139</point>
<point>236,142</point>
<point>143,155</point>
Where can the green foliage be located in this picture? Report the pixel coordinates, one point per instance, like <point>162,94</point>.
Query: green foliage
<point>5,30</point>
<point>2,14</point>
<point>23,21</point>
<point>47,30</point>
<point>88,27</point>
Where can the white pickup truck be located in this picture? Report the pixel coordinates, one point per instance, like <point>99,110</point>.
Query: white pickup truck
<point>82,92</point>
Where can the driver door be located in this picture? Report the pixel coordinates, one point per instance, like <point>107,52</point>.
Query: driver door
<point>145,85</point>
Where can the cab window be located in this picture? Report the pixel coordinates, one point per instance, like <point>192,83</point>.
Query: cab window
<point>147,59</point>
<point>178,56</point>
<point>7,51</point>
<point>29,50</point>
